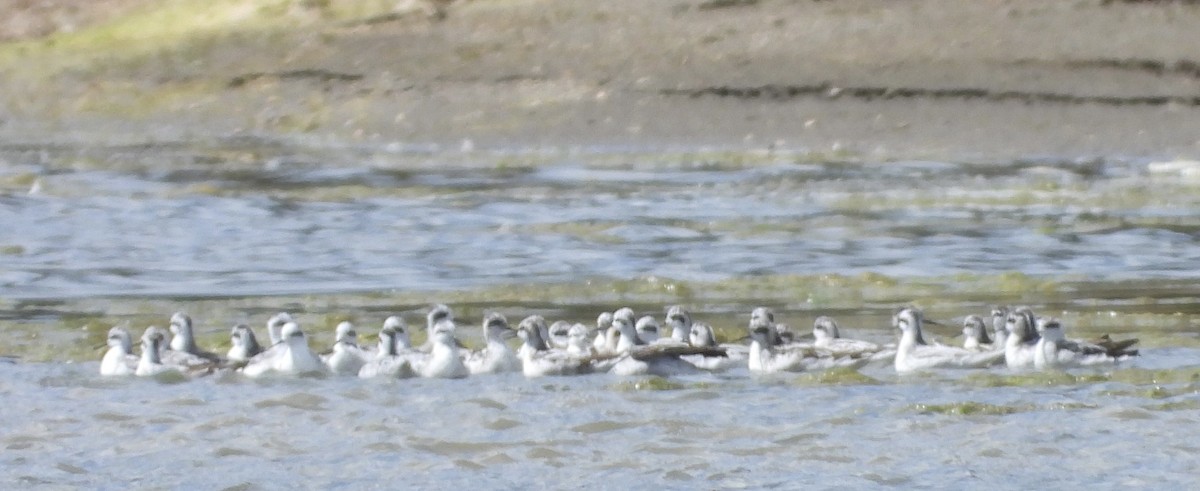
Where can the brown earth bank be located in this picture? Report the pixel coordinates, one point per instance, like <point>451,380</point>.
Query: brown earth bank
<point>980,80</point>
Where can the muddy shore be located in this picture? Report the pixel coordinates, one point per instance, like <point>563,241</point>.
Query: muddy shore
<point>987,80</point>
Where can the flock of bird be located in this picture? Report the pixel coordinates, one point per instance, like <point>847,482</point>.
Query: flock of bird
<point>620,343</point>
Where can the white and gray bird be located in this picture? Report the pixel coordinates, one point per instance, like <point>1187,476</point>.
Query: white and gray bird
<point>437,313</point>
<point>701,335</point>
<point>150,364</point>
<point>557,334</point>
<point>975,335</point>
<point>395,357</point>
<point>680,321</point>
<point>538,359</point>
<point>913,356</point>
<point>768,355</point>
<point>294,357</point>
<point>444,360</point>
<point>495,356</point>
<point>244,345</point>
<point>1020,346</point>
<point>827,336</point>
<point>1055,351</point>
<point>183,338</point>
<point>119,359</point>
<point>345,357</point>
<point>603,326</point>
<point>999,332</point>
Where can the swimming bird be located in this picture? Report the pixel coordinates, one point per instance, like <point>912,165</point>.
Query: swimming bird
<point>680,321</point>
<point>701,335</point>
<point>437,313</point>
<point>538,360</point>
<point>827,335</point>
<point>636,357</point>
<point>183,350</point>
<point>765,317</point>
<point>395,357</point>
<point>346,358</point>
<point>443,361</point>
<point>577,342</point>
<point>999,332</point>
<point>975,336</point>
<point>244,344</point>
<point>150,363</point>
<point>911,356</point>
<point>530,331</point>
<point>496,356</point>
<point>275,326</point>
<point>557,334</point>
<point>647,330</point>
<point>1020,347</point>
<point>764,357</point>
<point>119,359</point>
<point>1055,351</point>
<point>920,341</point>
<point>603,326</point>
<point>294,357</point>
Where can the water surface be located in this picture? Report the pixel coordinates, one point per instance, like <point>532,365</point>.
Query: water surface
<point>233,231</point>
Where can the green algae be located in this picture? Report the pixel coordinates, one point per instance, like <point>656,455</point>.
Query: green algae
<point>967,408</point>
<point>973,408</point>
<point>174,27</point>
<point>834,376</point>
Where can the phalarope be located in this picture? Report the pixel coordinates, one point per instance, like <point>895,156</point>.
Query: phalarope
<point>827,335</point>
<point>647,330</point>
<point>150,363</point>
<point>346,358</point>
<point>1020,346</point>
<point>389,360</point>
<point>538,360</point>
<point>680,321</point>
<point>244,344</point>
<point>999,332</point>
<point>558,333</point>
<point>183,338</point>
<point>912,356</point>
<point>496,356</point>
<point>530,331</point>
<point>275,326</point>
<point>1055,351</point>
<point>701,335</point>
<point>975,336</point>
<point>293,358</point>
<point>443,361</point>
<point>119,359</point>
<point>603,326</point>
<point>765,317</point>
<point>764,357</point>
<point>636,357</point>
<point>577,341</point>
<point>437,313</point>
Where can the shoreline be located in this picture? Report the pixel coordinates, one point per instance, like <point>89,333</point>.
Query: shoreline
<point>916,79</point>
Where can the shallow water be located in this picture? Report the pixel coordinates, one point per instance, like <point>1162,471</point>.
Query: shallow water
<point>362,223</point>
<point>233,231</point>
<point>727,431</point>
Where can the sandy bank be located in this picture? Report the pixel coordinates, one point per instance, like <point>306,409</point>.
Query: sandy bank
<point>986,80</point>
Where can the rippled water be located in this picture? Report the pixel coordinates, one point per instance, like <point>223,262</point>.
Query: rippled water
<point>728,431</point>
<point>211,227</point>
<point>231,231</point>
